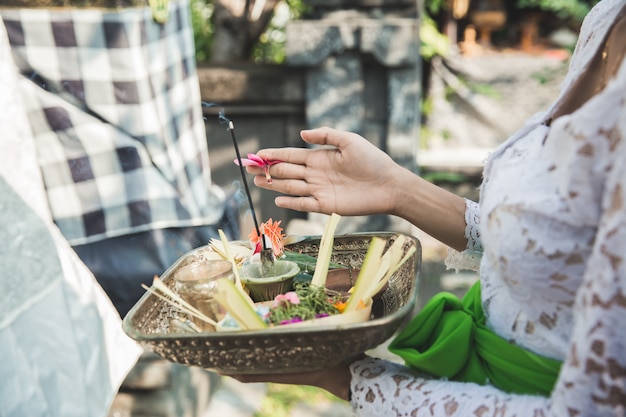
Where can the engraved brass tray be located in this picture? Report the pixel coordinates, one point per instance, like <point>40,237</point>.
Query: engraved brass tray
<point>281,349</point>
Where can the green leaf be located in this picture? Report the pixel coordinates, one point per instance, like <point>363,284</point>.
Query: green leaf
<point>306,262</point>
<point>367,274</point>
<point>325,251</point>
<point>232,300</point>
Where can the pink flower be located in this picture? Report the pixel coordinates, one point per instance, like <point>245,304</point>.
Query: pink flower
<point>257,247</point>
<point>289,297</point>
<point>291,320</point>
<point>254,160</point>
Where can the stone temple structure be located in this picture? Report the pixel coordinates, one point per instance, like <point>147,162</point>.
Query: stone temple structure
<point>362,72</point>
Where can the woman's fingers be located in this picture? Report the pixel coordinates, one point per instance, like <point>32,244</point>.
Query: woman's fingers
<point>326,136</point>
<point>288,170</point>
<point>302,204</point>
<point>297,194</point>
<point>285,186</point>
<point>290,155</point>
<point>284,170</point>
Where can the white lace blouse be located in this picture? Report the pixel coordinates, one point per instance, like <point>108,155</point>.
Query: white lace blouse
<point>551,226</point>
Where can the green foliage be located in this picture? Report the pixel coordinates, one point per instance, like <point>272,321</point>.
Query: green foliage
<point>432,42</point>
<point>312,302</point>
<point>433,7</point>
<point>201,12</point>
<point>281,399</point>
<point>564,9</point>
<point>548,74</point>
<point>485,89</point>
<point>270,49</point>
<point>444,176</point>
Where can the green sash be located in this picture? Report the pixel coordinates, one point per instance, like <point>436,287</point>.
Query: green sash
<point>449,338</point>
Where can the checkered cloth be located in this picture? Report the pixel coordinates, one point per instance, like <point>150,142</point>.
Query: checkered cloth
<point>113,101</point>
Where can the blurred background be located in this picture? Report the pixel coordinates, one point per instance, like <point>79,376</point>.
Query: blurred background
<point>437,84</point>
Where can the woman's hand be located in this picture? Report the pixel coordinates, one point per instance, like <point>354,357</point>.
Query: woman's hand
<point>349,177</point>
<point>335,380</point>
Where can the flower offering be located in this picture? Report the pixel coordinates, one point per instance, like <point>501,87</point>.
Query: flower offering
<point>311,302</point>
<point>253,301</point>
<point>304,303</point>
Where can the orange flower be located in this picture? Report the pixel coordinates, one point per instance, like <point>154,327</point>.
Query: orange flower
<point>273,232</point>
<point>341,306</point>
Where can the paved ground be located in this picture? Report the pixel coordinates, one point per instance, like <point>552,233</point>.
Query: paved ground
<point>234,399</point>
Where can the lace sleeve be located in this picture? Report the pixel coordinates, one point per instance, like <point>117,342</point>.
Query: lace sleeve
<point>470,258</point>
<point>382,388</point>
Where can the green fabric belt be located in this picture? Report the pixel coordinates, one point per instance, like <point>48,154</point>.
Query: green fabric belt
<point>449,338</point>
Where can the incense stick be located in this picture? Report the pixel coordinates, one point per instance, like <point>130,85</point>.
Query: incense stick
<point>194,313</point>
<point>231,128</point>
<point>176,301</point>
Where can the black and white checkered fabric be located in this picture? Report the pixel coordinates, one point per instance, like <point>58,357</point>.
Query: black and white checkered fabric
<point>114,104</point>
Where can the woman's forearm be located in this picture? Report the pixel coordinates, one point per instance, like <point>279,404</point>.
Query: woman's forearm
<point>432,209</point>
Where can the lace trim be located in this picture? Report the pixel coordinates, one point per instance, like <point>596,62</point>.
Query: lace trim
<point>470,258</point>
<point>381,388</point>
<point>466,260</point>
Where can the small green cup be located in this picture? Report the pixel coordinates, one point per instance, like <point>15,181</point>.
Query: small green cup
<point>278,280</point>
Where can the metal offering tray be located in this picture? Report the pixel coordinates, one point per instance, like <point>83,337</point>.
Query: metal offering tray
<point>281,349</point>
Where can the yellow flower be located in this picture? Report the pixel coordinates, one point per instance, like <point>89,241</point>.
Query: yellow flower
<point>341,306</point>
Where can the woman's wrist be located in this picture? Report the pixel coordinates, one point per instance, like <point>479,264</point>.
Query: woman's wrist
<point>336,381</point>
<point>431,208</point>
